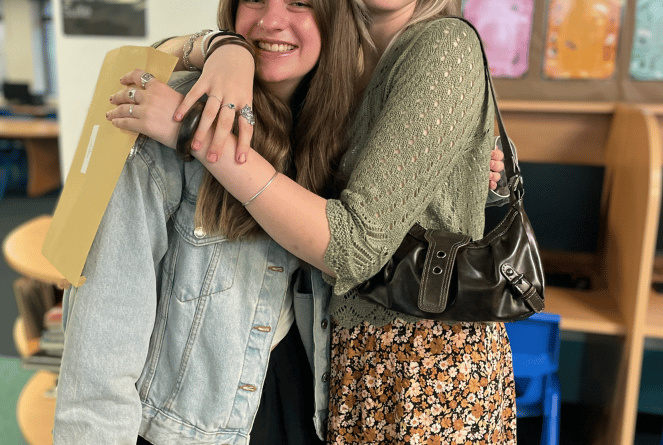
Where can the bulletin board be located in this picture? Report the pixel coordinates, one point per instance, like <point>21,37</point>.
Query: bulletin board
<point>575,50</point>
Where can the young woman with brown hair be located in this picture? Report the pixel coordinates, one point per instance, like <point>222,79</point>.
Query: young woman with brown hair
<point>183,332</point>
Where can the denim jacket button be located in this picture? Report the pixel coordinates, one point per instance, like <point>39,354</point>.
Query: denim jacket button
<point>263,328</point>
<point>325,377</point>
<point>199,232</point>
<point>324,324</point>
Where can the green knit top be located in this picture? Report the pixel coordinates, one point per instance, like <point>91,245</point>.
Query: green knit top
<point>419,151</point>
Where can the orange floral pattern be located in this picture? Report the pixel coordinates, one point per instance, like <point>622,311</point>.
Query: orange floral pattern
<point>422,383</point>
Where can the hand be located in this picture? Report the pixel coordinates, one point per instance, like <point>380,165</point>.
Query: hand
<point>151,109</point>
<point>496,166</point>
<point>224,83</point>
<point>204,155</point>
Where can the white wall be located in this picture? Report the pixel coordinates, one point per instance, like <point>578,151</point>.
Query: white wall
<point>21,18</point>
<point>79,59</point>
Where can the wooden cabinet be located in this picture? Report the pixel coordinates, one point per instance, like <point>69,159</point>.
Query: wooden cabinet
<point>626,140</point>
<point>40,138</point>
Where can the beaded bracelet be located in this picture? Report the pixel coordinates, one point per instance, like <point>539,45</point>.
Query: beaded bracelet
<point>230,41</point>
<point>187,128</point>
<point>188,46</point>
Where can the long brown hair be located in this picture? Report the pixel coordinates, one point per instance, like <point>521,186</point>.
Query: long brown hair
<point>308,151</point>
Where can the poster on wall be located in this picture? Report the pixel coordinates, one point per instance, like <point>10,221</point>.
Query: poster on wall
<point>125,18</point>
<point>581,39</point>
<point>647,52</point>
<point>506,29</point>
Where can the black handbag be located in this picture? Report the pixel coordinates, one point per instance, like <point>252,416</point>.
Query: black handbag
<point>444,276</point>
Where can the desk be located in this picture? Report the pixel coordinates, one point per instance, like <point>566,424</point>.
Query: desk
<point>40,138</point>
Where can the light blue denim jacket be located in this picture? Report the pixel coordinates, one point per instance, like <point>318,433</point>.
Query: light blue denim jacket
<point>170,336</point>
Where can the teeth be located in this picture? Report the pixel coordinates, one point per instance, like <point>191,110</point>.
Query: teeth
<point>275,47</point>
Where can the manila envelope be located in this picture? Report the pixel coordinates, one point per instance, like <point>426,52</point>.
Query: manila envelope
<point>98,162</point>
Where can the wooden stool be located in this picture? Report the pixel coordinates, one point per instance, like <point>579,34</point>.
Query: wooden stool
<point>22,251</point>
<point>35,409</point>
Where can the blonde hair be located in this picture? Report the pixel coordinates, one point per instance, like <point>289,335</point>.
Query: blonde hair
<point>424,11</point>
<point>303,140</point>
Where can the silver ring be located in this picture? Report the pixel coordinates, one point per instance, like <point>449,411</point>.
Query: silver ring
<point>132,95</point>
<point>146,77</point>
<point>247,113</point>
<point>131,110</point>
<point>211,95</point>
<point>229,105</point>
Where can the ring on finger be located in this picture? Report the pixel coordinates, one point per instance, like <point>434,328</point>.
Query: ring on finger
<point>132,95</point>
<point>144,78</point>
<point>215,97</point>
<point>131,110</point>
<point>247,113</point>
<point>229,105</point>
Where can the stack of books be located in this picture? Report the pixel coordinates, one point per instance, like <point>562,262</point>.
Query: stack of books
<point>40,307</point>
<point>51,343</point>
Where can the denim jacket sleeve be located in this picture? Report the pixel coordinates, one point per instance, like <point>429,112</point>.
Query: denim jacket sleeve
<point>109,320</point>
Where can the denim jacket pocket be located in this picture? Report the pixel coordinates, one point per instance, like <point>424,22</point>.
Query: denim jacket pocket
<point>202,265</point>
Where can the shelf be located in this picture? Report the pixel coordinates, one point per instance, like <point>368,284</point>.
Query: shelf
<point>654,327</point>
<point>591,312</point>
<point>566,107</point>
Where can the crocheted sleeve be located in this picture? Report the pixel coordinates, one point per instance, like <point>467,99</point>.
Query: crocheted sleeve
<point>430,111</point>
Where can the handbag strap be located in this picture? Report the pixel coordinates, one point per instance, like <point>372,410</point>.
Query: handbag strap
<point>511,167</point>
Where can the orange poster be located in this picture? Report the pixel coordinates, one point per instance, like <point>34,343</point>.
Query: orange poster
<point>581,42</point>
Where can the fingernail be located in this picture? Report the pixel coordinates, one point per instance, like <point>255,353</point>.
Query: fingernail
<point>107,114</point>
<point>111,99</point>
<point>195,145</point>
<point>212,157</point>
<point>242,158</point>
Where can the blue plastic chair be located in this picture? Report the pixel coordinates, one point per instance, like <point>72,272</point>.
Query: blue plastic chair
<point>535,344</point>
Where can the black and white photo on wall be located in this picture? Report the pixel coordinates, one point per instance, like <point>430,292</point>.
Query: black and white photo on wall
<point>104,17</point>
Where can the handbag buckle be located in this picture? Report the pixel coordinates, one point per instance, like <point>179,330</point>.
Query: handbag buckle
<point>526,290</point>
<point>512,275</point>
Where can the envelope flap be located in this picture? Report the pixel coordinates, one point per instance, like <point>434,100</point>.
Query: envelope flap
<point>100,156</point>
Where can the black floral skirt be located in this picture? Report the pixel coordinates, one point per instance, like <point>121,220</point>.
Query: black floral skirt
<point>422,383</point>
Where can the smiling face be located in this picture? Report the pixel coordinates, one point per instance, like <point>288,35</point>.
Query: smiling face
<point>286,37</point>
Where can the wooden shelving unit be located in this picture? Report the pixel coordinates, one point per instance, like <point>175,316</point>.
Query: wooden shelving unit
<point>626,140</point>
<point>654,326</point>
